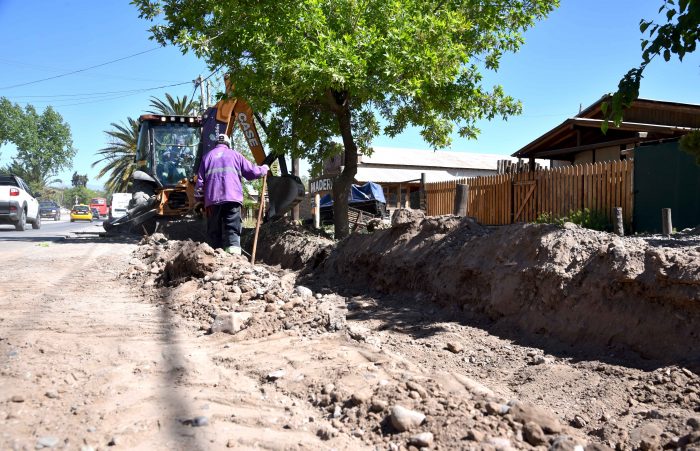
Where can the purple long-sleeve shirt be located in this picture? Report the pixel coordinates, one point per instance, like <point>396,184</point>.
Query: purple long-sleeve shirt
<point>219,176</point>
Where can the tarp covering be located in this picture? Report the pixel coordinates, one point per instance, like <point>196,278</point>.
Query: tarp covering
<point>358,194</point>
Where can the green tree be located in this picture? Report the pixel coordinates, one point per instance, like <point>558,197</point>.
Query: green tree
<point>43,141</point>
<point>174,105</point>
<point>118,157</point>
<point>328,69</point>
<point>80,195</point>
<point>9,120</point>
<point>678,36</point>
<point>79,180</point>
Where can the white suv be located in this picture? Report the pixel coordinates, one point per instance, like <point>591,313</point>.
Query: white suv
<point>17,205</point>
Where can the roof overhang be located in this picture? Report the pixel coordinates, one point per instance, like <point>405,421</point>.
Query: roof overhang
<point>579,132</point>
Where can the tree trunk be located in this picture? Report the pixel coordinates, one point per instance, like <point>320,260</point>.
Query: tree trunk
<point>341,186</point>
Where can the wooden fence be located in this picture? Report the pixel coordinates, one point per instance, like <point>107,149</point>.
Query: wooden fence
<point>522,197</point>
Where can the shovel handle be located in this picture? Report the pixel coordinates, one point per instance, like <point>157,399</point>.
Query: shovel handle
<point>257,224</point>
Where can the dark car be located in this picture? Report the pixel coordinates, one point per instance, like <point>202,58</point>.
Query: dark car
<point>50,209</point>
<point>95,213</point>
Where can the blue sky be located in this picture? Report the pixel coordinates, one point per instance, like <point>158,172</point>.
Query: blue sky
<point>572,58</point>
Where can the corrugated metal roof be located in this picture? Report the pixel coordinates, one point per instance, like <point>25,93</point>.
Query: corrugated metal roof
<point>386,175</point>
<point>395,156</point>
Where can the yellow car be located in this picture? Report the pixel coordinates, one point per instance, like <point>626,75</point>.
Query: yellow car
<point>80,213</point>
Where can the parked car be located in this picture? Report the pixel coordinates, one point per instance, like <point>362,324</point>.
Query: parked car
<point>95,213</point>
<point>80,213</point>
<point>49,209</point>
<point>18,205</point>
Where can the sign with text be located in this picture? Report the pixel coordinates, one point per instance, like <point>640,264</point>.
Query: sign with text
<point>322,184</point>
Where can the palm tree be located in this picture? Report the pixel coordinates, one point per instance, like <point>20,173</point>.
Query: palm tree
<point>118,156</point>
<point>178,106</point>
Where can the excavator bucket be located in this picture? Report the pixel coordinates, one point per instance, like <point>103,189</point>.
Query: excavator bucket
<point>285,192</point>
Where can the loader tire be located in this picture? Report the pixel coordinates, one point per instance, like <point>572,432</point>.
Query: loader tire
<point>142,194</point>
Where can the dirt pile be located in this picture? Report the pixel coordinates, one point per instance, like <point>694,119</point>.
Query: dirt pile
<point>583,287</point>
<point>202,284</point>
<point>590,289</point>
<point>289,245</point>
<point>378,399</point>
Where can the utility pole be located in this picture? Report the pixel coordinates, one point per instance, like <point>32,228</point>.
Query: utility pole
<point>198,83</point>
<point>208,94</point>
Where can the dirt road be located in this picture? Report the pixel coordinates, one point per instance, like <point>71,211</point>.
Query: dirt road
<point>97,355</point>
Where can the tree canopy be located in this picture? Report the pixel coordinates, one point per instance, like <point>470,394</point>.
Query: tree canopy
<point>44,143</point>
<point>347,70</point>
<point>678,36</point>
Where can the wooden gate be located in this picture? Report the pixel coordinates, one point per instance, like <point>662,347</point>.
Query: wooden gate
<point>524,200</point>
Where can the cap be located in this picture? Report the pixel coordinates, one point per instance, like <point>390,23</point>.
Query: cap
<point>223,139</point>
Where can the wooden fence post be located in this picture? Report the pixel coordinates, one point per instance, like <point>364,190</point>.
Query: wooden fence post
<point>421,193</point>
<point>461,207</point>
<point>666,223</point>
<point>619,227</point>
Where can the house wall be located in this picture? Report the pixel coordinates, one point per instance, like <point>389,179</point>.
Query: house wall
<point>607,154</point>
<point>665,177</point>
<point>611,153</point>
<point>584,157</point>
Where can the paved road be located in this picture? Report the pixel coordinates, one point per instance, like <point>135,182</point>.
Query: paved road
<point>50,230</point>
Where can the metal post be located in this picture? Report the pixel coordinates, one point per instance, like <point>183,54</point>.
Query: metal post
<point>421,193</point>
<point>317,210</point>
<point>619,227</point>
<point>461,207</point>
<point>295,171</point>
<point>666,223</point>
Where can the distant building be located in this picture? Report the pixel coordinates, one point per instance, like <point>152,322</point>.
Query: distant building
<point>664,176</point>
<point>399,170</point>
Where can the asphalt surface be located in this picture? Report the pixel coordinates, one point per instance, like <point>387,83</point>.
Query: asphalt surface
<point>50,230</point>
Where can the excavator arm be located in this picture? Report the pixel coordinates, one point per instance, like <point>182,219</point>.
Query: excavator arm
<point>284,191</point>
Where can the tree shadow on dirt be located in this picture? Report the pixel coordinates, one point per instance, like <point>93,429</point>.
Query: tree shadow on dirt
<point>179,407</point>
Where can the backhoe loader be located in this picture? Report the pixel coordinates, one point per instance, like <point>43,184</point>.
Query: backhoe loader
<point>168,154</point>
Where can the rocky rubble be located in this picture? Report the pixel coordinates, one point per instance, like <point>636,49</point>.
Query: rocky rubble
<point>224,293</point>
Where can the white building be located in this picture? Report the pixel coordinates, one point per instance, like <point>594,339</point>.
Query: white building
<point>399,170</point>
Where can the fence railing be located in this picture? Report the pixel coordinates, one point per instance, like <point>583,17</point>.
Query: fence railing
<point>522,197</point>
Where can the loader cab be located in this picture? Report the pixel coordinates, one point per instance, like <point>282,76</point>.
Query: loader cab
<point>168,147</point>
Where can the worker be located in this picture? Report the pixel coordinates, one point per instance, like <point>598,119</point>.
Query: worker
<point>219,187</point>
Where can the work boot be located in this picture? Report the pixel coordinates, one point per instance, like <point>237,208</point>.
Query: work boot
<point>234,250</point>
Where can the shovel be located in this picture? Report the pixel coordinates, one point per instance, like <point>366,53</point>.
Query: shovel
<point>257,224</point>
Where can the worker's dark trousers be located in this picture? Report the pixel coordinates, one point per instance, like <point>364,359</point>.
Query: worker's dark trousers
<point>224,225</point>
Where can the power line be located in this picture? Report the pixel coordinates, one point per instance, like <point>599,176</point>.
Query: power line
<point>94,94</point>
<point>100,75</point>
<point>79,70</point>
<point>114,97</point>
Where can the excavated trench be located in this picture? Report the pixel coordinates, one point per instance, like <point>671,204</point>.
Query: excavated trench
<point>589,289</point>
<point>441,291</point>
